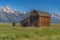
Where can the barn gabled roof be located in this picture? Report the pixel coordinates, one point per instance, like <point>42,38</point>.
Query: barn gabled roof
<point>40,13</point>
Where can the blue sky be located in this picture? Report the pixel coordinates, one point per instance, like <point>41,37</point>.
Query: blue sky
<point>51,6</point>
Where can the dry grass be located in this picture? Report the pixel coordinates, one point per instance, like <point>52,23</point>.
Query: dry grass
<point>8,32</point>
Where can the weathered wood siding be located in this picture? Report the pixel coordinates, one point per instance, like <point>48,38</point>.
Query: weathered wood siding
<point>44,21</point>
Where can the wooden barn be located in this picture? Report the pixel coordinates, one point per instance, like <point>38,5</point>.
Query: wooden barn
<point>37,18</point>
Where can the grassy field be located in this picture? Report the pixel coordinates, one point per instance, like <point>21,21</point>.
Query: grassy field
<point>7,32</point>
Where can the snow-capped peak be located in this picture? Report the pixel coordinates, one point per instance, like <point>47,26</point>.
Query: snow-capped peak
<point>24,12</point>
<point>8,14</point>
<point>57,16</point>
<point>7,7</point>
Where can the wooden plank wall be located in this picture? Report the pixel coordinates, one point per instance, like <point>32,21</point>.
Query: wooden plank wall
<point>44,21</point>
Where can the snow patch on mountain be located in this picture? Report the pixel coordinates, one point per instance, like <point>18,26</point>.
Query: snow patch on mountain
<point>8,14</point>
<point>55,18</point>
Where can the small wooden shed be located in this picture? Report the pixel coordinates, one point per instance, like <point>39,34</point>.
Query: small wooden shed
<point>37,18</point>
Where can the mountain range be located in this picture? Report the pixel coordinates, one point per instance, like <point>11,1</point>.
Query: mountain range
<point>55,18</point>
<point>11,15</point>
